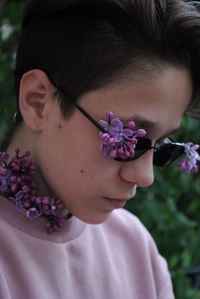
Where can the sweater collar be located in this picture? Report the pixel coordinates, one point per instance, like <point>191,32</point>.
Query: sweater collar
<point>72,229</point>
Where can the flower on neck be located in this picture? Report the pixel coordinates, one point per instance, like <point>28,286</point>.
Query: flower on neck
<point>17,185</point>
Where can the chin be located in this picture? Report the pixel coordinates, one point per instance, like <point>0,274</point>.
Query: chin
<point>94,219</point>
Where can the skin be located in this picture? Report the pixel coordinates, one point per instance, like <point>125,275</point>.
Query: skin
<point>66,152</point>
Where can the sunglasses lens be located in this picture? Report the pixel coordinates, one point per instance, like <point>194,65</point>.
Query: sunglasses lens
<point>143,144</point>
<point>167,153</point>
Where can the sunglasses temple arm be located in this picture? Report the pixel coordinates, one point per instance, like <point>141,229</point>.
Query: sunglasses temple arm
<point>89,118</point>
<point>157,147</point>
<point>82,110</point>
<point>172,141</point>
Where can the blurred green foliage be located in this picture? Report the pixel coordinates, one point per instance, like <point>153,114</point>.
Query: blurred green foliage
<point>10,13</point>
<point>169,209</point>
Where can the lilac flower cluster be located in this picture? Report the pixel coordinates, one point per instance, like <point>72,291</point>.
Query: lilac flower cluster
<point>190,159</point>
<point>16,185</point>
<point>119,141</point>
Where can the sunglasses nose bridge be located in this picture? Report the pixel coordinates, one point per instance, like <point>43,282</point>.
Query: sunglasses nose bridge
<point>155,147</point>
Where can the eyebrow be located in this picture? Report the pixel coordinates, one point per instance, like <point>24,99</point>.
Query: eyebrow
<point>149,125</point>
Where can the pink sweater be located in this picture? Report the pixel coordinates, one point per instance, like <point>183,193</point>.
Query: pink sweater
<point>114,260</point>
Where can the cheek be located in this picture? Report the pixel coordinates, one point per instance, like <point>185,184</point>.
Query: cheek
<point>69,162</point>
<point>72,162</point>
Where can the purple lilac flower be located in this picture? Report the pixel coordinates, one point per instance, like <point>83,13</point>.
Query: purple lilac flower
<point>4,179</point>
<point>3,184</point>
<point>33,213</point>
<point>16,184</point>
<point>119,141</point>
<point>19,201</point>
<point>3,157</point>
<point>189,162</point>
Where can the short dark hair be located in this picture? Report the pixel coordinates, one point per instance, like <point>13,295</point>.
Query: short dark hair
<point>85,44</point>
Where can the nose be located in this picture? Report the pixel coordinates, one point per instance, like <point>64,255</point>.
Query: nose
<point>139,172</point>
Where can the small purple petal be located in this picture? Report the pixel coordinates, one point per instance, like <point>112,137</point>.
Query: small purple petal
<point>104,124</point>
<point>19,206</point>
<point>33,213</point>
<point>113,131</point>
<point>13,187</point>
<point>131,124</point>
<point>141,132</point>
<point>113,154</point>
<point>117,138</point>
<point>105,137</point>
<point>18,201</point>
<point>19,195</point>
<point>109,115</point>
<point>117,123</point>
<point>127,133</point>
<point>133,141</point>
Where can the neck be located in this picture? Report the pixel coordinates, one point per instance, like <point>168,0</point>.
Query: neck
<point>22,139</point>
<point>25,140</point>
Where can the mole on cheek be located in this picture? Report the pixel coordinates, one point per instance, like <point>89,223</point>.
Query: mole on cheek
<point>60,126</point>
<point>82,171</point>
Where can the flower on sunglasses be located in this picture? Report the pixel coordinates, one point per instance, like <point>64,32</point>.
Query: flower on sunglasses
<point>189,162</point>
<point>119,141</point>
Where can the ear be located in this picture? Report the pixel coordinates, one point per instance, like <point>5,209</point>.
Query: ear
<point>36,93</point>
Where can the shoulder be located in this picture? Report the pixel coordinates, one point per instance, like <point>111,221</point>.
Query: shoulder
<point>127,224</point>
<point>129,236</point>
<point>125,230</point>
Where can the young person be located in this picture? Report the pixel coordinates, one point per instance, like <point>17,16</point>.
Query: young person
<point>100,86</point>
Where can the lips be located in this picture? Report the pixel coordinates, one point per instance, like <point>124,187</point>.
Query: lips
<point>119,199</point>
<point>116,202</point>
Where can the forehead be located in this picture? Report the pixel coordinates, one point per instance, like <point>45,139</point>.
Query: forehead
<point>158,101</point>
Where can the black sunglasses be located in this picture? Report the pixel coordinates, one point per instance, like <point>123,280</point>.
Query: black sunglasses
<point>165,152</point>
